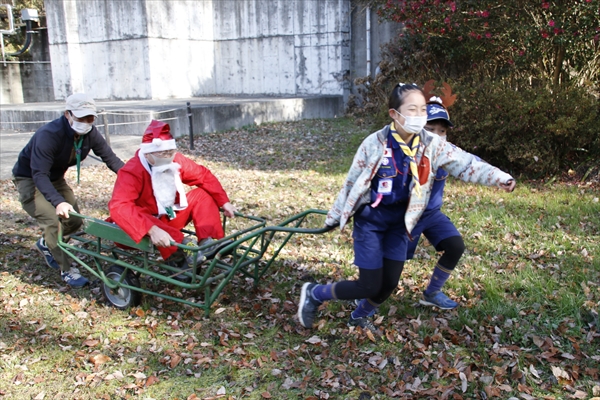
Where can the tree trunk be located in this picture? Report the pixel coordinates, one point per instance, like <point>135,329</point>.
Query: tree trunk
<point>560,56</point>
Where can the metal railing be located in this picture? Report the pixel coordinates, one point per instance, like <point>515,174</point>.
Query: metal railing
<point>102,120</point>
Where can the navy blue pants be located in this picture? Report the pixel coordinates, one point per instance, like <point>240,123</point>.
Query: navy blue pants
<point>380,245</point>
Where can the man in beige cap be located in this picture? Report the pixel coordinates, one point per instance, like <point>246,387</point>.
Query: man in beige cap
<point>39,177</point>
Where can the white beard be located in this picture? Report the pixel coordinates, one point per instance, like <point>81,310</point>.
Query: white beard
<point>164,183</point>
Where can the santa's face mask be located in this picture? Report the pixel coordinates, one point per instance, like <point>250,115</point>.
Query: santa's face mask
<point>159,158</point>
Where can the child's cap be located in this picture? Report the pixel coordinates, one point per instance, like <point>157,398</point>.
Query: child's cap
<point>437,111</point>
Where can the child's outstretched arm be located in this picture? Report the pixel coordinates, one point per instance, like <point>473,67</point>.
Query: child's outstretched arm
<point>470,168</point>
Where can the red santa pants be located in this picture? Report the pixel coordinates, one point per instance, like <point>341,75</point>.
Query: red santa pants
<point>202,211</point>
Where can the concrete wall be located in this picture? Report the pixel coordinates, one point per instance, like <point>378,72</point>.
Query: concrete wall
<point>148,49</point>
<point>143,49</point>
<point>380,33</point>
<point>30,81</point>
<point>210,118</point>
<point>12,89</point>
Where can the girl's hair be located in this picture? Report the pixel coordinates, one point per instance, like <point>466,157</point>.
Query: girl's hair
<point>399,93</point>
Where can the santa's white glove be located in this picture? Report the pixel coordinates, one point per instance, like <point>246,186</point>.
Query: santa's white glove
<point>229,210</point>
<point>63,209</point>
<point>160,237</point>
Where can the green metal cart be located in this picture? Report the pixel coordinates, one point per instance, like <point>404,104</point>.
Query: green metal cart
<point>110,255</point>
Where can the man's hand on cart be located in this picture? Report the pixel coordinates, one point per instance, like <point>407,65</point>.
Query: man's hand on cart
<point>63,209</point>
<point>160,237</point>
<point>229,210</point>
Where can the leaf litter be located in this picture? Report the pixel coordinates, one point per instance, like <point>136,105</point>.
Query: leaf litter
<point>62,343</point>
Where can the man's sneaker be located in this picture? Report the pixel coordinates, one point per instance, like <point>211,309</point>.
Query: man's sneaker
<point>364,323</point>
<point>357,303</point>
<point>438,299</point>
<point>73,278</point>
<point>307,308</point>
<point>41,246</point>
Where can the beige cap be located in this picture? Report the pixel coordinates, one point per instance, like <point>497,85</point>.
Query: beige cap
<point>81,105</point>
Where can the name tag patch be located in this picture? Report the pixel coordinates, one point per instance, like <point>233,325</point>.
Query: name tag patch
<point>385,186</point>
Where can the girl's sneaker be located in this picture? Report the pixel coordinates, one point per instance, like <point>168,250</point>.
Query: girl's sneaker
<point>364,323</point>
<point>357,303</point>
<point>439,300</point>
<point>308,305</point>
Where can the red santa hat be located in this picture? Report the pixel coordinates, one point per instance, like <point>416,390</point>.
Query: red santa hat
<point>157,138</point>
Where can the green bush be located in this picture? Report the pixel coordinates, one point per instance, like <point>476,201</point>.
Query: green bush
<point>528,132</point>
<point>544,41</point>
<point>531,132</point>
<point>526,74</point>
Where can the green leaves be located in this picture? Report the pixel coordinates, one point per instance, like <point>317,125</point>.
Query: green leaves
<point>511,38</point>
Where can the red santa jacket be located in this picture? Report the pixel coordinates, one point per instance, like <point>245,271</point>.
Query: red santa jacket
<point>133,206</point>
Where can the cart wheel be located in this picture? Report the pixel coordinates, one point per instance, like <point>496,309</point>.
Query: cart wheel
<point>121,297</point>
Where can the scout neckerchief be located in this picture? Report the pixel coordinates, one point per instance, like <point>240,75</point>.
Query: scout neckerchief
<point>170,212</point>
<point>77,144</point>
<point>410,152</point>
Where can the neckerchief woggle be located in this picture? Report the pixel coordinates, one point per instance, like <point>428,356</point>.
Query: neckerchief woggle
<point>411,153</point>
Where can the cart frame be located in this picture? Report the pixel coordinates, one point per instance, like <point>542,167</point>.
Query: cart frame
<point>240,252</point>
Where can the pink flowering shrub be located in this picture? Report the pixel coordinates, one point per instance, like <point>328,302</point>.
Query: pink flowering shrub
<point>544,40</point>
<point>527,76</point>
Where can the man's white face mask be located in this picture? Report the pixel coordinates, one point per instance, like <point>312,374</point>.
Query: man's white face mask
<point>159,158</point>
<point>81,127</point>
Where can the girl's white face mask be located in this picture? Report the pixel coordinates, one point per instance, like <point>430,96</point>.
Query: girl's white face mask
<point>413,124</point>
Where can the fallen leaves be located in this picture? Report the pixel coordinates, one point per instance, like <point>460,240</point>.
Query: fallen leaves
<point>507,339</point>
<point>91,342</point>
<point>316,340</point>
<point>118,375</point>
<point>152,380</point>
<point>174,361</point>
<point>561,375</point>
<point>98,359</point>
<point>463,382</point>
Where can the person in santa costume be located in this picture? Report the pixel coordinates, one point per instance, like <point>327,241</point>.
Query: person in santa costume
<point>149,198</point>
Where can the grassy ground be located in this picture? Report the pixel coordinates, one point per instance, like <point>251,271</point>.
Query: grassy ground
<point>528,285</point>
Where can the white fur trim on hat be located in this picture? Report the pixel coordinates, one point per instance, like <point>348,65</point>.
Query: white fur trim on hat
<point>158,145</point>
